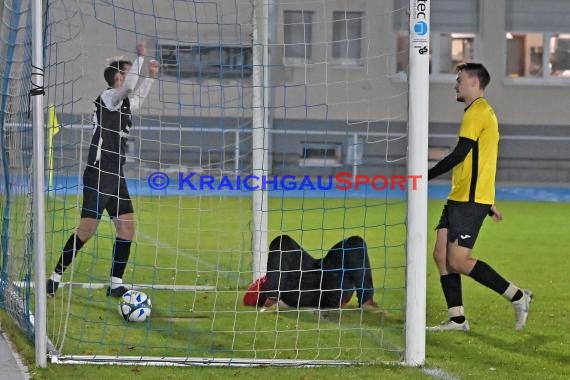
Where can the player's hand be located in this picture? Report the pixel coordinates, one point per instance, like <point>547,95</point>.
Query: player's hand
<point>497,215</point>
<point>153,67</point>
<point>141,49</point>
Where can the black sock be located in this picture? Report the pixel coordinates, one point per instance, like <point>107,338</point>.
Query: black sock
<point>121,253</point>
<point>485,275</point>
<point>451,285</point>
<point>70,249</point>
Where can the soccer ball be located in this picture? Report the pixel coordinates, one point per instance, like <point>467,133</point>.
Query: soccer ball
<point>135,306</point>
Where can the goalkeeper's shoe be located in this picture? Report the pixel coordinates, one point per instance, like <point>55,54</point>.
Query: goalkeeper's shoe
<point>522,307</point>
<point>450,326</point>
<point>116,292</point>
<point>51,287</point>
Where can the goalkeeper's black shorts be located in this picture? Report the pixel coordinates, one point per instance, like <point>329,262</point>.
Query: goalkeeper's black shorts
<point>103,190</point>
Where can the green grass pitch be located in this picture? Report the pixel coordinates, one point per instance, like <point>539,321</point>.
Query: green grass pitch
<point>206,242</point>
<point>528,247</point>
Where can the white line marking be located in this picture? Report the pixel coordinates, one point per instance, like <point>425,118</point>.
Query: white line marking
<point>438,373</point>
<point>100,285</point>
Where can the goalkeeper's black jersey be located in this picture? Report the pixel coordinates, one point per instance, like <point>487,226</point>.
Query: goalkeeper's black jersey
<point>110,133</point>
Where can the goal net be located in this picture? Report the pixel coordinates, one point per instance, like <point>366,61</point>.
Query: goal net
<point>266,118</point>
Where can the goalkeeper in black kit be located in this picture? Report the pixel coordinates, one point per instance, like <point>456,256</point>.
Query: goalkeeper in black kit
<point>295,279</point>
<point>104,185</point>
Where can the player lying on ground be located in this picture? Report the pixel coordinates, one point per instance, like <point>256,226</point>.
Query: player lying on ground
<point>295,279</point>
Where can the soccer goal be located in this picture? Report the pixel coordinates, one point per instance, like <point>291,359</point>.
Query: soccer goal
<point>305,118</point>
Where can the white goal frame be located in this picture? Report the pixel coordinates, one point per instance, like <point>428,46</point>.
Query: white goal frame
<point>417,199</point>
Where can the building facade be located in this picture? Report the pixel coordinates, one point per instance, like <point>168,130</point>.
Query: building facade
<point>337,74</point>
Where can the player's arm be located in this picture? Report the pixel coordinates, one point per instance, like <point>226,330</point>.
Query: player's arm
<point>461,150</point>
<point>114,97</point>
<point>137,97</point>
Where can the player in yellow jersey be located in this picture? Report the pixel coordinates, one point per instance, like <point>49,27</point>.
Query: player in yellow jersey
<point>474,164</point>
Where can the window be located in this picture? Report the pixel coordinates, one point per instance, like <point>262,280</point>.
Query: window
<point>559,55</point>
<point>454,48</point>
<point>447,50</point>
<point>538,39</point>
<point>454,26</point>
<point>297,35</point>
<point>347,36</point>
<point>320,154</point>
<point>206,61</point>
<point>527,57</point>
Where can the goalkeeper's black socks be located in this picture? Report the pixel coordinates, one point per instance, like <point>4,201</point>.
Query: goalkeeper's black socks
<point>72,246</point>
<point>121,253</point>
<point>70,249</point>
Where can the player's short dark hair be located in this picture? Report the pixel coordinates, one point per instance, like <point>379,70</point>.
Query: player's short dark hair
<point>478,70</point>
<point>114,68</point>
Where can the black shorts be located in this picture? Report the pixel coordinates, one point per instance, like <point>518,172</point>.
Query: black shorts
<point>463,221</point>
<point>104,191</point>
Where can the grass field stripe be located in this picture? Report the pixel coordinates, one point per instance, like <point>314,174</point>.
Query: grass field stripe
<point>325,315</point>
<point>160,244</point>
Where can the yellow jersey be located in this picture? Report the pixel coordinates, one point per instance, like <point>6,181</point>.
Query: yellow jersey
<point>473,180</point>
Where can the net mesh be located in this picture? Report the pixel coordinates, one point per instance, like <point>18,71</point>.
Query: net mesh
<point>337,109</point>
